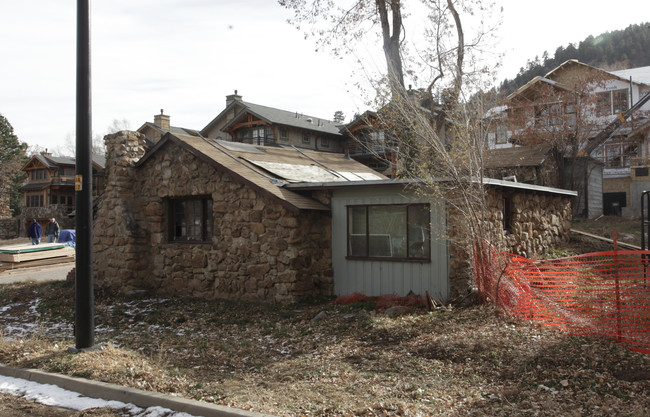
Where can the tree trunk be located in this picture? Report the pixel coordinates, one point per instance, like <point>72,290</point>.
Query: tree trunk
<point>391,44</point>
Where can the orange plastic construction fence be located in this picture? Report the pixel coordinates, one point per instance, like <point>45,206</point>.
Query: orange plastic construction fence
<point>603,294</point>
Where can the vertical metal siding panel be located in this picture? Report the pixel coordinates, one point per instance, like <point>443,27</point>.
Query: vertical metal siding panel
<point>377,277</point>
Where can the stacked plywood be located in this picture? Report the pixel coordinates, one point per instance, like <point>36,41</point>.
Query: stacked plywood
<point>28,252</point>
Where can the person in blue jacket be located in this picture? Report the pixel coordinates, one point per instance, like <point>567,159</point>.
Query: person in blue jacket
<point>35,231</point>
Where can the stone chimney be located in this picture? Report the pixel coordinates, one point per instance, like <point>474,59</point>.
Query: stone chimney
<point>232,97</point>
<point>161,120</point>
<point>46,153</point>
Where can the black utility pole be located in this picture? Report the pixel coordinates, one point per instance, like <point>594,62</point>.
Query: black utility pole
<point>84,305</point>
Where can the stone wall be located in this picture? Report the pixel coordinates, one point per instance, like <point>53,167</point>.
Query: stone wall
<point>539,222</point>
<point>259,251</point>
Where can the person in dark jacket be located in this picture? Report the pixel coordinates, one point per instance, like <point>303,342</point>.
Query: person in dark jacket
<point>35,231</point>
<point>52,231</point>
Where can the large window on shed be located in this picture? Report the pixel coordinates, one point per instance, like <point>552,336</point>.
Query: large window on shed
<point>395,231</point>
<point>190,219</point>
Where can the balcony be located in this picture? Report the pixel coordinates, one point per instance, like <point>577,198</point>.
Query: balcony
<point>258,141</point>
<point>359,149</point>
<point>62,181</point>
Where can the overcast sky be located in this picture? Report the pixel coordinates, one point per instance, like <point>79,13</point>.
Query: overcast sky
<point>185,56</point>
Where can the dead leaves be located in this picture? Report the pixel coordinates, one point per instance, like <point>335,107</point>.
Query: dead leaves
<point>349,361</point>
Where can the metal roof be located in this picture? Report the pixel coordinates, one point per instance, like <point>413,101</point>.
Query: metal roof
<point>268,168</point>
<point>638,75</point>
<point>416,182</point>
<point>521,156</point>
<point>286,118</point>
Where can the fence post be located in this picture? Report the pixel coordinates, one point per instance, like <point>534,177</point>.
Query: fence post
<point>619,336</point>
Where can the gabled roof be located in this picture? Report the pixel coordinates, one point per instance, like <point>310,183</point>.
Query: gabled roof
<point>286,118</point>
<point>172,129</point>
<point>267,169</point>
<point>640,75</point>
<point>361,121</point>
<point>57,161</point>
<point>276,117</point>
<point>570,63</point>
<point>535,82</point>
<point>523,156</point>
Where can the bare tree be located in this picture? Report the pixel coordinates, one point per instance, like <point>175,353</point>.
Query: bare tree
<point>434,127</point>
<point>563,114</point>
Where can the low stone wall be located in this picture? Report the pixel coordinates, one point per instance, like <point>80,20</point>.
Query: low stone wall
<point>259,251</point>
<point>9,228</point>
<point>539,221</point>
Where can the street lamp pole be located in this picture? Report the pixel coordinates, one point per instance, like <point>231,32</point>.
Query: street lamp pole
<point>84,296</point>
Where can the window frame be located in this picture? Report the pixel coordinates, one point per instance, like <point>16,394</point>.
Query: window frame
<point>206,220</point>
<point>425,258</point>
<point>620,100</point>
<point>500,133</point>
<point>603,103</point>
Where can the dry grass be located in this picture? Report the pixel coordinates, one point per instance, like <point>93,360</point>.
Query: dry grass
<point>627,230</point>
<point>351,361</point>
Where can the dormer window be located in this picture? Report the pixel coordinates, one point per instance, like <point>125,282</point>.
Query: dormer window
<point>39,174</point>
<point>259,135</point>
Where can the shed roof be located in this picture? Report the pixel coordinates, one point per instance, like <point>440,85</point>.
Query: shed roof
<point>521,156</point>
<point>415,182</point>
<point>268,169</point>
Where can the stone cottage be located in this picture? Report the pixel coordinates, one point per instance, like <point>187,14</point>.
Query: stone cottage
<point>208,218</point>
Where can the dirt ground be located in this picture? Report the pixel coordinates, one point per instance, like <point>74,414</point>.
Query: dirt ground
<point>318,358</point>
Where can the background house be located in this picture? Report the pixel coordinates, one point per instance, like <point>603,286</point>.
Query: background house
<point>542,165</point>
<point>255,124</point>
<point>567,108</point>
<point>49,191</point>
<point>368,143</point>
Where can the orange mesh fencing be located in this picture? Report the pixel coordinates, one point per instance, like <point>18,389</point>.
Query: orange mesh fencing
<point>604,294</point>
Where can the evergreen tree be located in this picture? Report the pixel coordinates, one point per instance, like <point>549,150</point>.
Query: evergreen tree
<point>12,158</point>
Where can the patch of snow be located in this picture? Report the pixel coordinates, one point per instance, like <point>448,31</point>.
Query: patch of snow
<point>53,395</point>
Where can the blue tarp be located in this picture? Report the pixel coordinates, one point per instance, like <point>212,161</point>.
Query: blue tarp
<point>68,236</point>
